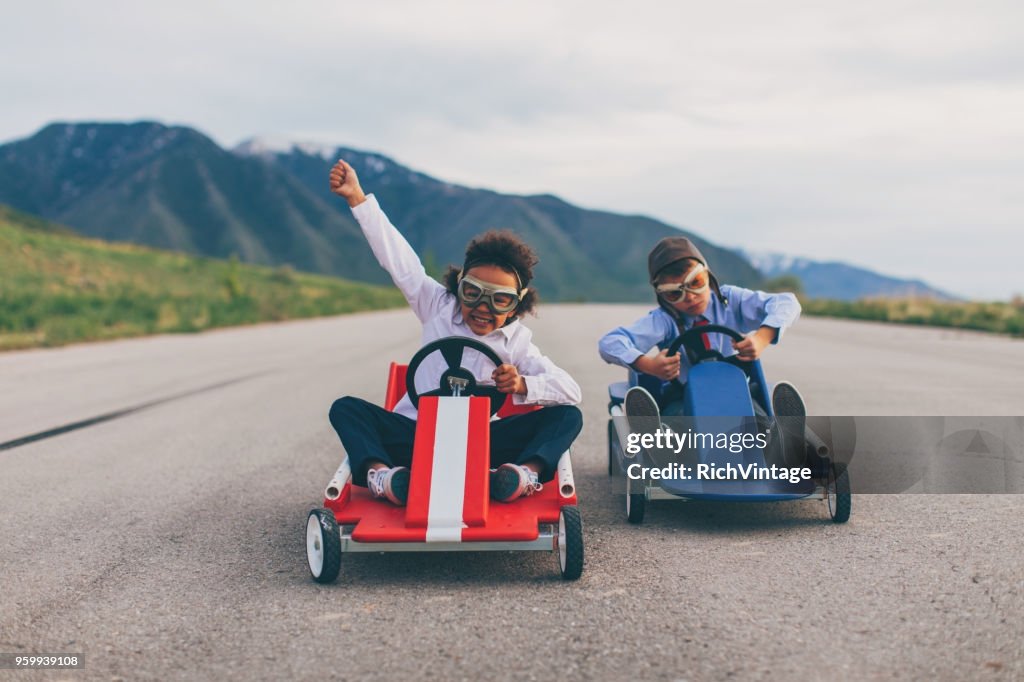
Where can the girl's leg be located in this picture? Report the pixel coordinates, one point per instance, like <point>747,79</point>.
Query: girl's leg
<point>371,435</point>
<point>536,439</point>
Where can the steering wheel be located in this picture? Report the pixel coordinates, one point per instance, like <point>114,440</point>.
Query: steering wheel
<point>456,376</point>
<point>690,341</point>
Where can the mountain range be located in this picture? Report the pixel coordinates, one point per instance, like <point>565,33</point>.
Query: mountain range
<point>172,187</point>
<point>840,281</point>
<point>175,188</point>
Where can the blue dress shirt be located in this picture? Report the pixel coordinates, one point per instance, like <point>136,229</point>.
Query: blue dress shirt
<point>747,310</point>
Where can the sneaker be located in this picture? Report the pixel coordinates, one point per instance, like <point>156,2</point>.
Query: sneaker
<point>641,410</point>
<point>792,417</point>
<point>392,484</point>
<point>643,416</point>
<point>511,481</point>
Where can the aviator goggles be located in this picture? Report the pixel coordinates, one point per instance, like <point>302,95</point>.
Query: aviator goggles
<point>499,299</point>
<point>697,282</point>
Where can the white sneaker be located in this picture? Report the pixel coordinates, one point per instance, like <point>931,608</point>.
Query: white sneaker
<point>392,484</point>
<point>791,415</point>
<point>641,410</point>
<point>512,481</point>
<point>643,416</point>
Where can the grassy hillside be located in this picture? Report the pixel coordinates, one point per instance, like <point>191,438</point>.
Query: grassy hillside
<point>58,288</point>
<point>1002,318</point>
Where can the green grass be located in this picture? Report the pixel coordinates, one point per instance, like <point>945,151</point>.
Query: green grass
<point>1002,318</point>
<point>57,288</point>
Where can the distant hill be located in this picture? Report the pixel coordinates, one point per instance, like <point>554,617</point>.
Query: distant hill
<point>57,287</point>
<point>840,281</point>
<point>174,188</point>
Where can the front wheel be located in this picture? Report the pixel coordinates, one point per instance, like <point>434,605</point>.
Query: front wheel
<point>570,542</point>
<point>636,507</point>
<point>323,545</point>
<point>840,499</point>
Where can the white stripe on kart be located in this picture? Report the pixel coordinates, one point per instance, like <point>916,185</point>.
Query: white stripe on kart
<point>448,474</point>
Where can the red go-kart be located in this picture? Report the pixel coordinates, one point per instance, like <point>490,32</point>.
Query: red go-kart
<point>449,506</point>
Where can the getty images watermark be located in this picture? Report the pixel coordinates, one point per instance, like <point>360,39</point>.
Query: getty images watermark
<point>664,439</point>
<point>942,454</point>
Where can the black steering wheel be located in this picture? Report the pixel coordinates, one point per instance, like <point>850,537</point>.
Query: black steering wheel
<point>455,376</point>
<point>690,341</point>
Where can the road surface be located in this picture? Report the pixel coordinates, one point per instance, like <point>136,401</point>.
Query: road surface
<point>164,540</point>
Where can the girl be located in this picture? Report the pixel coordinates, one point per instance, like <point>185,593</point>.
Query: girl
<point>483,299</point>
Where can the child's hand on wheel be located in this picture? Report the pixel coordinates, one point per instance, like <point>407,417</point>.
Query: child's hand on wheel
<point>508,379</point>
<point>344,183</point>
<point>661,365</point>
<point>750,348</point>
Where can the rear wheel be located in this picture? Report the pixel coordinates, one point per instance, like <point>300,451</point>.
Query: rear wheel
<point>636,504</point>
<point>323,545</point>
<point>837,492</point>
<point>611,448</point>
<point>570,542</point>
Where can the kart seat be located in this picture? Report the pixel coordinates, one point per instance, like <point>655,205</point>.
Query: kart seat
<point>617,392</point>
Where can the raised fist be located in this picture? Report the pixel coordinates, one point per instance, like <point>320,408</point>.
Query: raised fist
<point>344,183</point>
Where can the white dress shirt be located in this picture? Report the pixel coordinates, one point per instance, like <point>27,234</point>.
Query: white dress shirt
<point>440,313</point>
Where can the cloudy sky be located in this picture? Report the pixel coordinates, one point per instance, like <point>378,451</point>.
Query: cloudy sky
<point>886,134</point>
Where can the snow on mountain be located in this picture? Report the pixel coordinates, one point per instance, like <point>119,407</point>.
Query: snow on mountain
<point>837,280</point>
<point>268,145</point>
<point>771,264</point>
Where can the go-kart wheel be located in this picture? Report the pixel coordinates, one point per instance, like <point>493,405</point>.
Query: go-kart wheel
<point>636,504</point>
<point>570,542</point>
<point>837,493</point>
<point>323,545</point>
<point>691,342</point>
<point>611,449</point>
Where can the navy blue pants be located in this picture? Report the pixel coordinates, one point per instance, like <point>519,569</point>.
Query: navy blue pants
<point>369,432</point>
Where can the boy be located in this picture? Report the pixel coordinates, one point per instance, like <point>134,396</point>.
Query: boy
<point>689,294</point>
<point>484,300</point>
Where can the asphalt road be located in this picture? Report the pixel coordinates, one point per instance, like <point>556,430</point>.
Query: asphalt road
<point>167,542</point>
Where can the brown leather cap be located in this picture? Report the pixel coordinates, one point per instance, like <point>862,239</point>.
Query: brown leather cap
<point>672,249</point>
<point>668,251</point>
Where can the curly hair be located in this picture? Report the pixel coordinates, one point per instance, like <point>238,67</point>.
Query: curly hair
<point>503,249</point>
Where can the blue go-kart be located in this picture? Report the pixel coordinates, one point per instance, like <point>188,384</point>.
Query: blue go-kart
<point>724,394</point>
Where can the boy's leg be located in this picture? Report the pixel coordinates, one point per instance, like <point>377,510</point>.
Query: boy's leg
<point>372,434</point>
<point>673,409</point>
<point>791,416</point>
<point>686,456</point>
<point>644,416</point>
<point>541,437</point>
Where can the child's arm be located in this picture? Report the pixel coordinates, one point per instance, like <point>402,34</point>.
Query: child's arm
<point>389,246</point>
<point>767,315</point>
<point>533,379</point>
<point>627,346</point>
<point>751,347</point>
